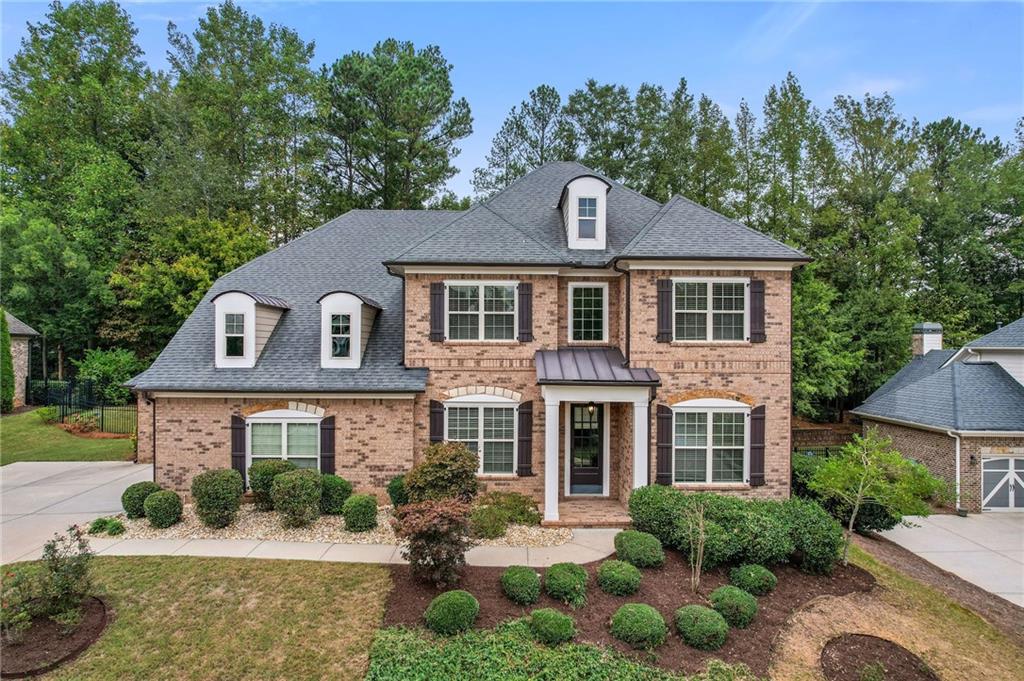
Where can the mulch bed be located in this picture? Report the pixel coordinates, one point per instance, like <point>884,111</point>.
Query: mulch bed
<point>44,648</point>
<point>92,435</point>
<point>666,589</point>
<point>845,657</point>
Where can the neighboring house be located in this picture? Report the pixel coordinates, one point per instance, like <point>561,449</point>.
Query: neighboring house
<point>582,338</point>
<point>961,413</point>
<point>21,335</point>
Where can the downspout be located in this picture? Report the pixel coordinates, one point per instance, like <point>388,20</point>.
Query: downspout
<point>629,291</point>
<point>956,439</point>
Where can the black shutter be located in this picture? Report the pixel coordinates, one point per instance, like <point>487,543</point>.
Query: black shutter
<point>238,445</point>
<point>525,312</point>
<point>664,450</point>
<point>437,311</point>
<point>327,445</point>
<point>757,334</point>
<point>525,439</point>
<point>664,310</point>
<point>436,421</point>
<point>757,446</point>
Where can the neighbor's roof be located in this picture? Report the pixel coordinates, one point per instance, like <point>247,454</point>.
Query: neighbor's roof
<point>964,396</point>
<point>917,368</point>
<point>18,327</point>
<point>590,366</point>
<point>1009,336</point>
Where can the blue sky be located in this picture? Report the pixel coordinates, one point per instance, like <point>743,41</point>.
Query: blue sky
<point>936,59</point>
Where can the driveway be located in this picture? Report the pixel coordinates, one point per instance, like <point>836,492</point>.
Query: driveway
<point>40,498</point>
<point>986,549</point>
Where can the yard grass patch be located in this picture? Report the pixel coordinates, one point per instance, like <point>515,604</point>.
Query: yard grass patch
<point>24,437</point>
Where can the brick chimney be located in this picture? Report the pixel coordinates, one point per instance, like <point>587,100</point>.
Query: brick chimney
<point>924,337</point>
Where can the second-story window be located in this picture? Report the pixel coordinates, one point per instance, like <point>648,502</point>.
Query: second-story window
<point>341,335</point>
<point>481,312</point>
<point>588,312</point>
<point>234,335</point>
<point>710,310</point>
<point>587,217</point>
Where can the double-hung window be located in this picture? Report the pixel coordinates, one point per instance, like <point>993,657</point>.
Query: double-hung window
<point>481,311</point>
<point>711,445</point>
<point>710,309</point>
<point>587,217</point>
<point>588,309</point>
<point>297,441</point>
<point>234,335</point>
<point>341,335</point>
<point>490,431</point>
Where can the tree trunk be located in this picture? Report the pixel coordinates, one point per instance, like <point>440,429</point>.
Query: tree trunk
<point>60,362</point>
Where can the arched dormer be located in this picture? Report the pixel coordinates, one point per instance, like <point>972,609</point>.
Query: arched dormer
<point>345,322</point>
<point>584,206</point>
<point>244,322</point>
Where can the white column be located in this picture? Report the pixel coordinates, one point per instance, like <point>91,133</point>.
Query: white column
<point>551,460</point>
<point>641,437</point>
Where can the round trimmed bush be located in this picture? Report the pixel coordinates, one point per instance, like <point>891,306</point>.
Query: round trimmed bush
<point>654,508</point>
<point>163,508</point>
<point>360,511</point>
<point>521,584</point>
<point>296,497</point>
<point>639,548</point>
<point>701,627</point>
<point>135,496</point>
<point>639,625</point>
<point>488,522</point>
<point>452,612</point>
<point>397,492</point>
<point>817,537</point>
<point>754,579</point>
<point>551,627</point>
<point>334,491</point>
<point>261,478</point>
<point>217,495</point>
<point>618,578</point>
<point>447,469</point>
<point>735,605</point>
<point>567,582</point>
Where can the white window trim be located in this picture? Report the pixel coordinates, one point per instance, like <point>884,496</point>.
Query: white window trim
<point>479,402</point>
<point>711,406</point>
<point>283,417</point>
<point>480,313</point>
<point>709,313</point>
<point>235,302</point>
<point>340,335</point>
<point>604,310</point>
<point>597,207</point>
<point>605,467</point>
<point>341,302</point>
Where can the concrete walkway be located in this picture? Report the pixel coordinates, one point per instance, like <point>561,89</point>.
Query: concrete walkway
<point>986,549</point>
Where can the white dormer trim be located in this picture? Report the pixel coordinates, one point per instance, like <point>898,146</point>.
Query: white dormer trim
<point>341,303</point>
<point>235,302</point>
<point>590,188</point>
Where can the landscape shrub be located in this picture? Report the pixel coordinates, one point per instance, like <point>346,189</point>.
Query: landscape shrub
<point>721,546</point>
<point>754,579</point>
<point>396,491</point>
<point>817,536</point>
<point>64,579</point>
<point>639,548</point>
<point>735,605</point>
<point>448,470</point>
<point>217,494</point>
<point>47,415</point>
<point>452,612</point>
<point>488,522</point>
<point>99,526</point>
<point>618,578</point>
<point>764,533</point>
<point>19,591</point>
<point>639,625</point>
<point>437,538</point>
<point>521,509</point>
<point>701,627</point>
<point>163,508</point>
<point>261,479</point>
<point>81,423</point>
<point>360,512</point>
<point>654,509</point>
<point>296,497</point>
<point>521,584</point>
<point>109,370</point>
<point>334,491</point>
<point>115,527</point>
<point>870,518</point>
<point>134,496</point>
<point>551,627</point>
<point>567,582</point>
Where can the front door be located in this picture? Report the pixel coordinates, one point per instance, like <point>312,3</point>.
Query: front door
<point>1002,484</point>
<point>586,449</point>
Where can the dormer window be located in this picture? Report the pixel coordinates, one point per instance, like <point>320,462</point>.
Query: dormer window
<point>234,335</point>
<point>584,208</point>
<point>587,217</point>
<point>341,336</point>
<point>345,323</point>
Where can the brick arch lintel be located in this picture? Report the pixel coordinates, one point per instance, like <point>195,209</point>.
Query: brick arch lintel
<point>703,393</point>
<point>484,390</point>
<point>311,409</point>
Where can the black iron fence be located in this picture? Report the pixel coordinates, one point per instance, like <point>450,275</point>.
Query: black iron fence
<point>81,404</point>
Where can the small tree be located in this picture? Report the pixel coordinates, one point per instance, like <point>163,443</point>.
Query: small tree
<point>692,524</point>
<point>447,471</point>
<point>437,532</point>
<point>6,366</point>
<point>868,471</point>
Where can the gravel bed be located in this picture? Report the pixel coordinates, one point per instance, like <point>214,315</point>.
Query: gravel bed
<point>253,524</point>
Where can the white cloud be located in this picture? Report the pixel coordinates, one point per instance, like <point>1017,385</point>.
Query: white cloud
<point>858,86</point>
<point>773,29</point>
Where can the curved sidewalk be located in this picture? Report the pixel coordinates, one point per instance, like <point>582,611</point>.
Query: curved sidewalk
<point>587,545</point>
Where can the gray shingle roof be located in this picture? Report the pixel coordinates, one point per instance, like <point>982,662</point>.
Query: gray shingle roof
<point>269,301</point>
<point>1009,336</point>
<point>18,327</point>
<point>917,368</point>
<point>590,366</point>
<point>979,396</point>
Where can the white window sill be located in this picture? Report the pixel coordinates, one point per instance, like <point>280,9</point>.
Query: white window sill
<point>711,486</point>
<point>711,343</point>
<point>497,476</point>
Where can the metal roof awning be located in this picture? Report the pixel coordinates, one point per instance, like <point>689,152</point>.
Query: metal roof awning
<point>590,366</point>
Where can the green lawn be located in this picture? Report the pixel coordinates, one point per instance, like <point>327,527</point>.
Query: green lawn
<point>24,437</point>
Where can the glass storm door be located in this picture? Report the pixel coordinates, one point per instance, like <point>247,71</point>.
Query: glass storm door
<point>586,449</point>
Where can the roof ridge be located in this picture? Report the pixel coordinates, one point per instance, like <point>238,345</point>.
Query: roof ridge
<point>740,224</point>
<point>656,218</point>
<point>528,236</point>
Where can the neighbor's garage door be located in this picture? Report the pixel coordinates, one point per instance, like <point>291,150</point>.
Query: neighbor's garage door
<point>1002,484</point>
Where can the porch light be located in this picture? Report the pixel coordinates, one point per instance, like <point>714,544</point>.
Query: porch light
<point>591,408</point>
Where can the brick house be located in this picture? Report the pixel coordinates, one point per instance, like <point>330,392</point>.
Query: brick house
<point>21,335</point>
<point>583,339</point>
<point>961,413</point>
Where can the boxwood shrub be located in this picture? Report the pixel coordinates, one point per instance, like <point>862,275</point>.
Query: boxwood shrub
<point>817,537</point>
<point>452,612</point>
<point>360,511</point>
<point>618,578</point>
<point>521,584</point>
<point>639,625</point>
<point>296,497</point>
<point>734,604</point>
<point>551,627</point>
<point>217,495</point>
<point>754,579</point>
<point>135,495</point>
<point>567,582</point>
<point>163,508</point>
<point>397,492</point>
<point>701,627</point>
<point>520,509</point>
<point>261,477</point>
<point>334,491</point>
<point>653,509</point>
<point>639,548</point>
